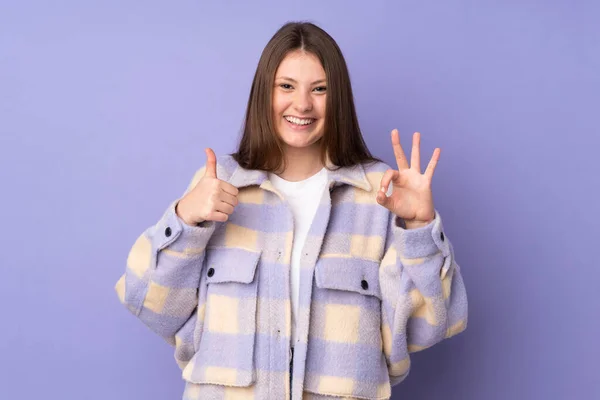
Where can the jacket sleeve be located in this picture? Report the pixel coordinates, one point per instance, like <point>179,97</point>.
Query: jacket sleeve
<point>162,277</point>
<point>423,295</point>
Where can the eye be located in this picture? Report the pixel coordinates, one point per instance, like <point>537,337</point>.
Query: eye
<point>285,86</point>
<point>320,89</point>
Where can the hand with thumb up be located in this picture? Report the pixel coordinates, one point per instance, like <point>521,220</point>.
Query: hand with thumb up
<point>211,199</point>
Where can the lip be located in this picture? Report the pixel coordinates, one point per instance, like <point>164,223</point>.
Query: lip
<point>295,116</point>
<point>299,127</point>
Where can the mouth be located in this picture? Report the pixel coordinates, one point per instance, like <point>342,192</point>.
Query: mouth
<point>300,122</point>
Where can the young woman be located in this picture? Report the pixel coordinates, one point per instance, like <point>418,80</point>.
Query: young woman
<point>299,266</point>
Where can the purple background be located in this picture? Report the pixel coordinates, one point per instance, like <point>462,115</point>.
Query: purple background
<point>105,110</point>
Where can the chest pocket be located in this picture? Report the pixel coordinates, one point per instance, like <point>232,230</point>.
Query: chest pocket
<point>345,345</point>
<point>225,353</point>
<point>348,274</point>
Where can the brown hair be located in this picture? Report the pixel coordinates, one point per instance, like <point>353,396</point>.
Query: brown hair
<point>260,147</point>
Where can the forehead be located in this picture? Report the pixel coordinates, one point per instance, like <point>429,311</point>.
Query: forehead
<point>301,65</point>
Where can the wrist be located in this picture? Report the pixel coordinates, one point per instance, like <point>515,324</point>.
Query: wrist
<point>416,224</point>
<point>182,216</point>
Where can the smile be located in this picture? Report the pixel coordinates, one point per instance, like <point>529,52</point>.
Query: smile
<point>299,121</point>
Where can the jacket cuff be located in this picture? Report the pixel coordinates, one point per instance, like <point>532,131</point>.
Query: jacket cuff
<point>171,232</point>
<point>421,242</point>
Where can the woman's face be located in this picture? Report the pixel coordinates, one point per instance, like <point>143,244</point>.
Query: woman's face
<point>299,98</point>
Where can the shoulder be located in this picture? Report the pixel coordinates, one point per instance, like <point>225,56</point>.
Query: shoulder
<point>376,167</point>
<point>374,172</point>
<point>226,165</point>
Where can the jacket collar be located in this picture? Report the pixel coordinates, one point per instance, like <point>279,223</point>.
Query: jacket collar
<point>354,176</point>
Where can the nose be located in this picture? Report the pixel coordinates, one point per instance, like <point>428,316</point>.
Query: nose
<point>303,102</point>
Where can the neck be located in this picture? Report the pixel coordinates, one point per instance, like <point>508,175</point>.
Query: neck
<point>301,163</point>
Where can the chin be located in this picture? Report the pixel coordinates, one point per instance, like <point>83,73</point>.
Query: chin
<point>300,144</point>
<point>300,140</point>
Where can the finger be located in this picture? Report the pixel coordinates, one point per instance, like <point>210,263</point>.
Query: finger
<point>433,163</point>
<point>415,155</point>
<point>381,196</point>
<point>225,208</point>
<point>398,152</point>
<point>228,198</point>
<point>217,216</point>
<point>383,199</point>
<point>229,188</point>
<point>211,163</point>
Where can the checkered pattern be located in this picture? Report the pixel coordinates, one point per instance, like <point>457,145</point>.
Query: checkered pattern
<point>371,292</point>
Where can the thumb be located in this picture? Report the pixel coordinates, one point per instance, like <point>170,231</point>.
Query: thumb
<point>211,163</point>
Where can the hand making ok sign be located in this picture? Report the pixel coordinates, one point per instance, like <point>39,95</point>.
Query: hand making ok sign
<point>411,198</point>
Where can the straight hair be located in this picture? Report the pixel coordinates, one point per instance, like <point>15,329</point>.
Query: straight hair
<point>342,143</point>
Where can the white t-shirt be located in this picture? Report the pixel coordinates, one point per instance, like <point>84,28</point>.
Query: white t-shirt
<point>303,198</point>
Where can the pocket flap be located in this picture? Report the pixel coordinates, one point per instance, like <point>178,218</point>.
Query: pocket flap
<point>231,265</point>
<point>350,274</point>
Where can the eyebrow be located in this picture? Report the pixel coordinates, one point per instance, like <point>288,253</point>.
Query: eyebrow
<point>294,81</point>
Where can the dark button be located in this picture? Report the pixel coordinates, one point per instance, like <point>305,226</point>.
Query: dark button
<point>364,284</point>
<point>168,232</point>
<point>442,236</point>
<point>211,272</point>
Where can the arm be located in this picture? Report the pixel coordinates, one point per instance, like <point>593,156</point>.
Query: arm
<point>424,297</point>
<point>162,277</point>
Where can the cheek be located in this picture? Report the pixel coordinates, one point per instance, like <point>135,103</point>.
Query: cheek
<point>276,110</point>
<point>322,106</point>
<point>279,105</point>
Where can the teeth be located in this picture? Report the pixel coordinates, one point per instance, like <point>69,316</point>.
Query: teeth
<point>299,121</point>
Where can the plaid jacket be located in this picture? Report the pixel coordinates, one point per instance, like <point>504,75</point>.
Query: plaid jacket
<point>371,292</point>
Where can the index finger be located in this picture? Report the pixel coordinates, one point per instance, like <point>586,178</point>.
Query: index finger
<point>229,188</point>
